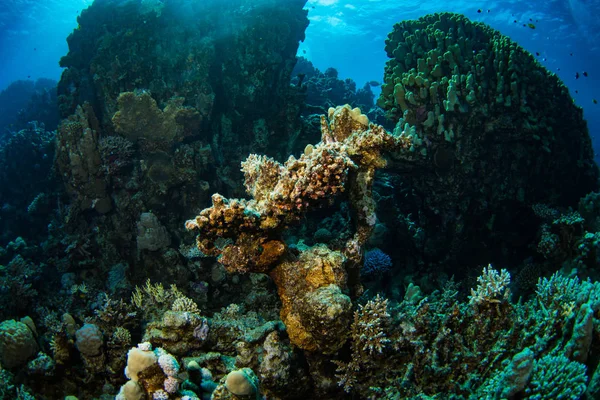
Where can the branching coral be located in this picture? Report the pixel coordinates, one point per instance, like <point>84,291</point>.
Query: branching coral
<point>368,335</point>
<point>492,287</point>
<point>315,309</point>
<point>345,160</point>
<point>499,349</point>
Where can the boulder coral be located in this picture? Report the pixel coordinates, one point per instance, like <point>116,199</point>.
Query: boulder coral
<point>500,133</point>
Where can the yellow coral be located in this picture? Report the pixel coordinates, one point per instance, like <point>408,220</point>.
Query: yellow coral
<point>185,304</point>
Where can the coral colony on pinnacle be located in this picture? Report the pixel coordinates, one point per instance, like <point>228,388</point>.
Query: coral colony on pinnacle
<point>198,212</point>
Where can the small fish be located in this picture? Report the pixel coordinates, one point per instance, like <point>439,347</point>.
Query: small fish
<point>576,75</point>
<point>374,83</point>
<point>571,54</point>
<point>304,51</point>
<point>531,26</point>
<point>595,101</point>
<point>479,11</point>
<point>585,74</point>
<point>515,21</point>
<point>577,91</point>
<point>537,53</point>
<point>544,59</point>
<point>28,76</point>
<point>530,20</point>
<point>35,49</point>
<point>489,10</point>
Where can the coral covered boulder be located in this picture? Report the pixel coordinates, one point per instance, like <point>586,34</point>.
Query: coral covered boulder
<point>315,286</point>
<point>501,133</point>
<point>17,344</point>
<point>225,64</point>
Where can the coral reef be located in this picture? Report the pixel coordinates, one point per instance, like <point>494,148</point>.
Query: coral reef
<point>525,350</point>
<point>79,163</point>
<point>26,157</point>
<point>414,262</point>
<point>311,287</point>
<point>25,101</point>
<point>500,131</point>
<point>325,90</point>
<point>230,66</point>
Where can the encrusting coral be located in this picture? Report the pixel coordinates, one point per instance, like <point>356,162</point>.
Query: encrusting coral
<point>140,120</point>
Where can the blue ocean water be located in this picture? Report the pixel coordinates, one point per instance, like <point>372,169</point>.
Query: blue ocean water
<point>349,35</point>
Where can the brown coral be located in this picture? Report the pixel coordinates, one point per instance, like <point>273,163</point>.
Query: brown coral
<point>314,309</point>
<point>140,120</point>
<point>314,288</point>
<point>347,156</point>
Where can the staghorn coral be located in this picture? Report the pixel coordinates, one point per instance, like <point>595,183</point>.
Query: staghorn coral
<point>185,304</point>
<point>492,287</point>
<point>368,339</point>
